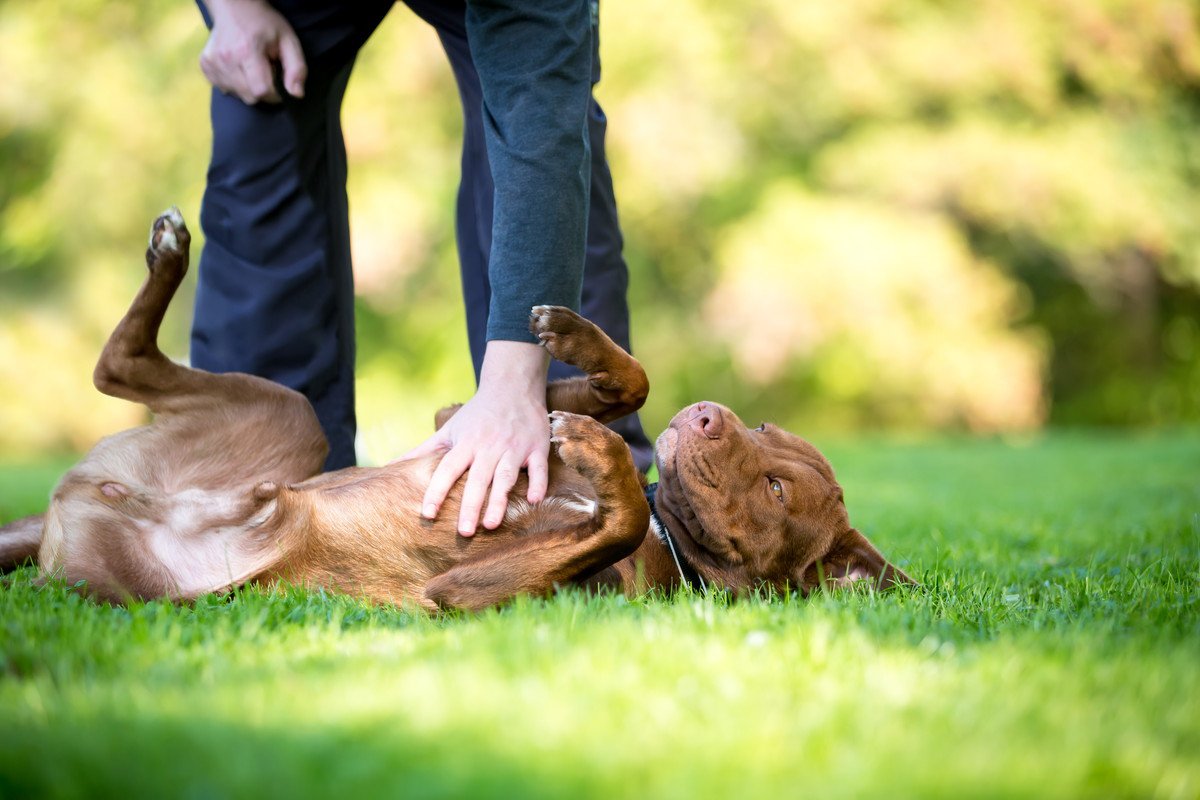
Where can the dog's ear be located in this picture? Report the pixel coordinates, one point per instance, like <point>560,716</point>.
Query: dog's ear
<point>852,558</point>
<point>20,540</point>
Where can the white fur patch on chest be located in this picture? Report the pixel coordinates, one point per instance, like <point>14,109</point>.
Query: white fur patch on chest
<point>519,507</point>
<point>656,526</point>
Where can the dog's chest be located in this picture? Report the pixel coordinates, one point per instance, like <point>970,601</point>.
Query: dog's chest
<point>563,510</point>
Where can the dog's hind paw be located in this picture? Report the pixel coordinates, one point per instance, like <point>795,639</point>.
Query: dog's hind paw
<point>168,236</point>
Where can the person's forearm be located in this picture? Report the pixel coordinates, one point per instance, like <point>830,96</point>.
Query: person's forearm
<point>515,368</point>
<point>217,7</point>
<point>535,64</point>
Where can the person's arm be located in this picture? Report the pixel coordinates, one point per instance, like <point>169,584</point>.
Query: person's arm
<point>534,62</point>
<point>501,429</point>
<point>247,38</point>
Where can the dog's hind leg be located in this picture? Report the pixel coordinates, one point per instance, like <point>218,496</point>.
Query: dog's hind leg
<point>241,426</point>
<point>615,385</point>
<point>19,542</point>
<point>131,366</point>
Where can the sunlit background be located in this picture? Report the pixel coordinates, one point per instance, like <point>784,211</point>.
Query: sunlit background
<point>843,216</point>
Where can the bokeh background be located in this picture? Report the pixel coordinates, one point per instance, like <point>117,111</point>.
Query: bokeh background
<point>911,215</point>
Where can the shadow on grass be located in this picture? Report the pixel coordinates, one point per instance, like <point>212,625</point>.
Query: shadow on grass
<point>203,758</point>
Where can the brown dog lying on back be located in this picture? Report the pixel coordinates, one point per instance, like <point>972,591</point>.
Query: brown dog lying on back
<point>223,489</point>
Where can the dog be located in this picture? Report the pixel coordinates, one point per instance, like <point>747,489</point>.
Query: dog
<point>223,489</point>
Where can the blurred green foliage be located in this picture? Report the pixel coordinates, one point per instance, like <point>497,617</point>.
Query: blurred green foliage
<point>871,213</point>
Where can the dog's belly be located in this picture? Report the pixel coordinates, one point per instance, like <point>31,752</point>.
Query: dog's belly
<point>363,532</point>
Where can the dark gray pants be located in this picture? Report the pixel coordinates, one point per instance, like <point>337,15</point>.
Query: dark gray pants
<point>275,294</point>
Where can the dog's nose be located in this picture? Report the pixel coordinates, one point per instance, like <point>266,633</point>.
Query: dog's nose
<point>706,419</point>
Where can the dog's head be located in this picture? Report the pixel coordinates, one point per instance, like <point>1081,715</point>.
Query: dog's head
<point>753,506</point>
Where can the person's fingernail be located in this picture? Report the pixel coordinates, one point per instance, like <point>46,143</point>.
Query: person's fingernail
<point>429,511</point>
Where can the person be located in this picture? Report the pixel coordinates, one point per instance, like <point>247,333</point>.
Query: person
<point>536,218</point>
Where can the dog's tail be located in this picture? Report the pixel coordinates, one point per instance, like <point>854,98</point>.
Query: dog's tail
<point>20,540</point>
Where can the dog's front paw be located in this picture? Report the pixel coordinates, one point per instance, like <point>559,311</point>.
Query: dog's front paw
<point>562,332</point>
<point>583,443</point>
<point>169,238</point>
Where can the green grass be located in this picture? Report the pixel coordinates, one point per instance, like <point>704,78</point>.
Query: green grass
<point>1053,651</point>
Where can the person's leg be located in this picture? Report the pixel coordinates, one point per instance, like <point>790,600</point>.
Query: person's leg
<point>275,295</point>
<point>534,62</point>
<point>606,276</point>
<point>473,213</point>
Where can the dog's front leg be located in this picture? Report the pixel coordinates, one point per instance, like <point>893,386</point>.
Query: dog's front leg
<point>537,563</point>
<point>615,384</point>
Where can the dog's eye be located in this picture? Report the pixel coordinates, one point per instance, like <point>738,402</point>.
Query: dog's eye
<point>762,426</point>
<point>777,488</point>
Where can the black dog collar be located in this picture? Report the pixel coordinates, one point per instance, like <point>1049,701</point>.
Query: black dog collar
<point>687,573</point>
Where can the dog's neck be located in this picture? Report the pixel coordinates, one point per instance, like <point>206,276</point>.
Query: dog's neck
<point>684,571</point>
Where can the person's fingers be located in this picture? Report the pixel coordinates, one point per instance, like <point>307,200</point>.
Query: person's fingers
<point>538,468</point>
<point>503,479</point>
<point>434,444</point>
<point>291,57</point>
<point>259,80</point>
<point>208,67</point>
<point>216,70</point>
<point>448,471</point>
<point>474,492</point>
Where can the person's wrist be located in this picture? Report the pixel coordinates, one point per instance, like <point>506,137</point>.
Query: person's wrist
<point>215,4</point>
<point>514,367</point>
<point>218,8</point>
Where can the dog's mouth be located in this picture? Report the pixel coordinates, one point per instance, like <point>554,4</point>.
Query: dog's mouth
<point>673,502</point>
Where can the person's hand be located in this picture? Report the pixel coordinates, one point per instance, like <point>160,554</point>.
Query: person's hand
<point>247,38</point>
<point>501,429</point>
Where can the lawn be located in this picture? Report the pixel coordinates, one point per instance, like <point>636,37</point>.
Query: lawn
<point>1053,650</point>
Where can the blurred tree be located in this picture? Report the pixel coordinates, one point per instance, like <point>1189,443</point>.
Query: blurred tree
<point>1057,138</point>
<point>870,213</point>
